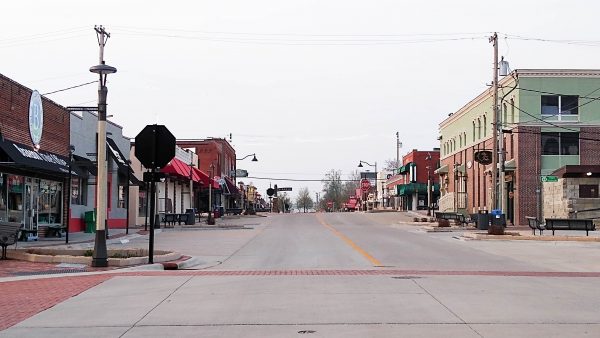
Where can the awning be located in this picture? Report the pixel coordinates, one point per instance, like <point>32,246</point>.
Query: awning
<point>420,188</point>
<point>231,189</point>
<point>405,168</point>
<point>205,180</point>
<point>46,162</point>
<point>85,164</point>
<point>122,162</point>
<point>178,168</point>
<point>441,170</point>
<point>510,165</point>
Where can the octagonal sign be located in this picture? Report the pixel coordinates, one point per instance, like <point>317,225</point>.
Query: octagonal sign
<point>155,146</point>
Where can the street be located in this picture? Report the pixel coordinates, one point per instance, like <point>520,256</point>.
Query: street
<point>335,275</point>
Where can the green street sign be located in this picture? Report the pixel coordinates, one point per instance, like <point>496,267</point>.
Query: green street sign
<point>549,179</point>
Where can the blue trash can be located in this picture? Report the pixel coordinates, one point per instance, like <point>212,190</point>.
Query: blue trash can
<point>498,218</point>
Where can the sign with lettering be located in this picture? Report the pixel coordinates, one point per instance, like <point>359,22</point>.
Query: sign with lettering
<point>483,156</point>
<point>549,179</point>
<point>36,118</point>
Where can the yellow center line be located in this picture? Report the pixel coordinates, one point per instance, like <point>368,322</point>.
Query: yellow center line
<point>349,242</point>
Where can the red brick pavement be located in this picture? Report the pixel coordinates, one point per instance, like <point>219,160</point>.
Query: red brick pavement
<point>23,299</point>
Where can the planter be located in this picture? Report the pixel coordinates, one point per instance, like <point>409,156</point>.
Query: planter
<point>443,223</point>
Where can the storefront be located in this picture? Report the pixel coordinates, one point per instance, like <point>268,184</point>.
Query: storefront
<point>34,163</point>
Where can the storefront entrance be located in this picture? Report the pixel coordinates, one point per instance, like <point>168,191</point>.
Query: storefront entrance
<point>31,203</point>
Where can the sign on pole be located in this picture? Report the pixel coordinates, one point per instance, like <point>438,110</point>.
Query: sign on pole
<point>284,189</point>
<point>549,179</point>
<point>365,185</point>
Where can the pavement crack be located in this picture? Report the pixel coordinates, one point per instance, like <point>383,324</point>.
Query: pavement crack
<point>157,305</point>
<point>446,307</point>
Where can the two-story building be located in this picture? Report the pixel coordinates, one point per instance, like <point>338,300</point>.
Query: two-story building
<point>414,177</point>
<point>550,119</point>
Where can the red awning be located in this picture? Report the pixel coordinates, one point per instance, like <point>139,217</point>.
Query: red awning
<point>203,178</point>
<point>233,190</point>
<point>178,168</point>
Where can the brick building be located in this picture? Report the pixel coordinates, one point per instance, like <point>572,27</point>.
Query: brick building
<point>34,162</point>
<point>412,179</point>
<point>216,157</point>
<point>549,120</point>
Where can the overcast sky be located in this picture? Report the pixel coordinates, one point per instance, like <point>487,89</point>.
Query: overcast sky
<point>308,86</point>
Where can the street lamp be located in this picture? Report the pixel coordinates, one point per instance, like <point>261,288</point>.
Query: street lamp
<point>210,219</point>
<point>100,255</point>
<point>70,187</point>
<point>428,159</point>
<point>360,165</point>
<point>254,159</point>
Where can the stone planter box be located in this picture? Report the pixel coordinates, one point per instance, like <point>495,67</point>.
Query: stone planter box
<point>78,256</point>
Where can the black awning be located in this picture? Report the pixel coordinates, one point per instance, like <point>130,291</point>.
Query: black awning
<point>85,165</point>
<point>24,156</point>
<point>122,161</point>
<point>231,188</point>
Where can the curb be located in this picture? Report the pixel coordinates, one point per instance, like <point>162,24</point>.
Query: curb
<point>182,264</point>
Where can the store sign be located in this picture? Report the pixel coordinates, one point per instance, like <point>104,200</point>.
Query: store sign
<point>36,155</point>
<point>36,118</point>
<point>484,157</point>
<point>183,155</point>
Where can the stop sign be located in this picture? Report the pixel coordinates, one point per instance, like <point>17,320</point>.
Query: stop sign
<point>155,146</point>
<point>365,185</point>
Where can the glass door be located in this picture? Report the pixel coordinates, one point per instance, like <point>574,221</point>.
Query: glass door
<point>31,204</point>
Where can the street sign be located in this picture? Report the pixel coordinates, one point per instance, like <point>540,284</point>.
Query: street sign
<point>284,189</point>
<point>549,179</point>
<point>240,173</point>
<point>365,185</point>
<point>155,146</point>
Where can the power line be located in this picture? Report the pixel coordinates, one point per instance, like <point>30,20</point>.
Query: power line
<point>77,86</point>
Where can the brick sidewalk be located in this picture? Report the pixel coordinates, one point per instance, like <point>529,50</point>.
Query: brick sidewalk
<point>23,299</point>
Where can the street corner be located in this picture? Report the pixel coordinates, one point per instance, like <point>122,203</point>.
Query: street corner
<point>525,236</point>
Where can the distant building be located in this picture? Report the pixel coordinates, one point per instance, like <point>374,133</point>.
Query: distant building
<point>410,183</point>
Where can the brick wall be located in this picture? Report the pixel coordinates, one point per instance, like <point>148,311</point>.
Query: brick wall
<point>589,148</point>
<point>527,152</point>
<point>14,118</point>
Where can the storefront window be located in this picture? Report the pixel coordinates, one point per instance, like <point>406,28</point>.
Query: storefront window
<point>78,191</point>
<point>121,197</point>
<point>142,203</point>
<point>15,198</point>
<point>3,212</point>
<point>50,202</point>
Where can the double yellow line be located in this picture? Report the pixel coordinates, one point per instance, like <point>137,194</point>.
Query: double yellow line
<point>348,241</point>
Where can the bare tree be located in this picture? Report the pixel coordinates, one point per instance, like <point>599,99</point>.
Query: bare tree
<point>285,203</point>
<point>392,164</point>
<point>304,201</point>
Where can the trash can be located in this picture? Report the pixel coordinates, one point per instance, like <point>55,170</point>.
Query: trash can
<point>483,220</point>
<point>221,211</point>
<point>90,221</point>
<point>157,219</point>
<point>216,213</point>
<point>191,218</point>
<point>498,218</point>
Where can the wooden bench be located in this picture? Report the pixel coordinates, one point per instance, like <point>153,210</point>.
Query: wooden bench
<point>170,219</point>
<point>570,224</point>
<point>535,224</point>
<point>9,233</point>
<point>55,230</point>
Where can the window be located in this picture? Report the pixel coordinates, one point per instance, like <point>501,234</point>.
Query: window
<point>512,111</point>
<point>560,143</point>
<point>588,191</point>
<point>560,105</point>
<point>484,125</point>
<point>473,131</point>
<point>122,199</point>
<point>478,128</point>
<point>142,198</point>
<point>504,114</point>
<point>78,191</point>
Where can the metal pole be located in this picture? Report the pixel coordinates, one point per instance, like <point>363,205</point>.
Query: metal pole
<point>147,205</point>
<point>152,220</point>
<point>128,187</point>
<point>70,193</point>
<point>494,41</point>
<point>209,219</point>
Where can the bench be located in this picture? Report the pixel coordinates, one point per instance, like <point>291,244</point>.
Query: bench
<point>170,219</point>
<point>535,224</point>
<point>9,233</point>
<point>55,230</point>
<point>460,218</point>
<point>570,224</point>
<point>234,211</point>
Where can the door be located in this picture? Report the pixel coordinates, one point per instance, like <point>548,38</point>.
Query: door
<point>31,203</point>
<point>510,202</point>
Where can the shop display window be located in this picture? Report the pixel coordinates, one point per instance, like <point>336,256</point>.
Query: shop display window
<point>15,198</point>
<point>50,202</point>
<point>3,197</point>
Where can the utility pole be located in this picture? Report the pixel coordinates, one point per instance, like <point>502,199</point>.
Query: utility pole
<point>497,139</point>
<point>398,146</point>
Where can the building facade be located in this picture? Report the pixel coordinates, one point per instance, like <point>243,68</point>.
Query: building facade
<point>549,119</point>
<point>34,158</point>
<point>414,178</point>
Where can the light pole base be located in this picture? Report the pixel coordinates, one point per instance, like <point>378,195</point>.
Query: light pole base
<point>100,255</point>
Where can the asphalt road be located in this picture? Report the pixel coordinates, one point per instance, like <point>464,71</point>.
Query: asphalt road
<point>340,275</point>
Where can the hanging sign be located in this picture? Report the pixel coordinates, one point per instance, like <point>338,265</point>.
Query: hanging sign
<point>483,156</point>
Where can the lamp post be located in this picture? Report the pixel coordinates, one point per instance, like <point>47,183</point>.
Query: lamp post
<point>254,159</point>
<point>71,150</point>
<point>100,255</point>
<point>360,165</point>
<point>210,220</point>
<point>128,187</point>
<point>428,158</point>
